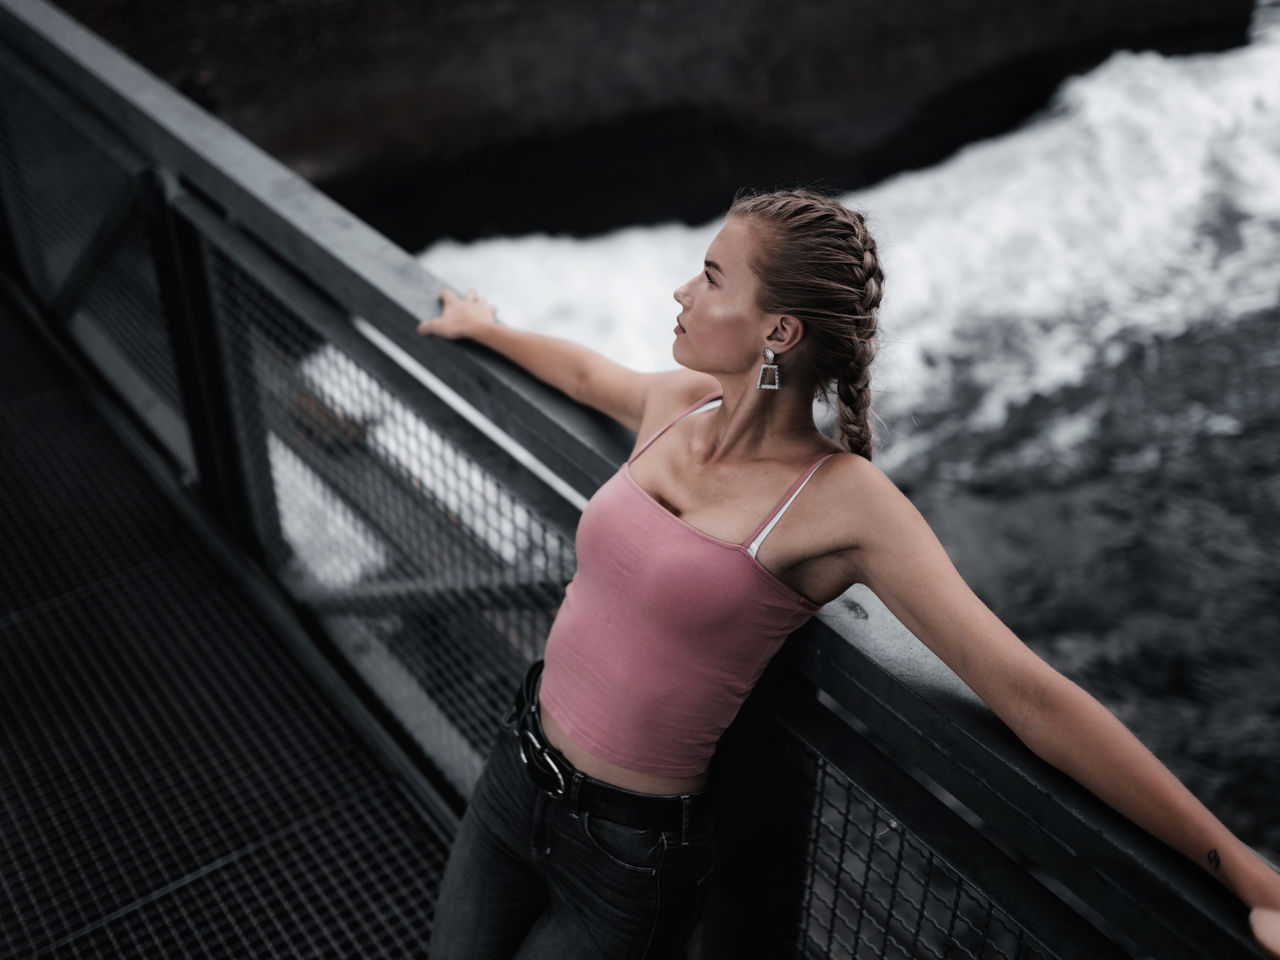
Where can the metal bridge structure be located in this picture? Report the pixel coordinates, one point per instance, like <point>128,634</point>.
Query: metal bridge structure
<point>273,565</point>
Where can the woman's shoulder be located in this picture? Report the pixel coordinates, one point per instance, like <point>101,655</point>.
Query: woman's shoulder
<point>850,467</point>
<point>851,474</point>
<point>849,480</point>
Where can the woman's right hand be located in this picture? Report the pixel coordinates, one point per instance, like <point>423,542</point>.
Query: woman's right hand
<point>460,316</point>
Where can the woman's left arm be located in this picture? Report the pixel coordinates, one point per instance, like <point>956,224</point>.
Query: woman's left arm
<point>898,556</point>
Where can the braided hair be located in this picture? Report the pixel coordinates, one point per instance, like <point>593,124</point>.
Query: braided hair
<point>817,262</point>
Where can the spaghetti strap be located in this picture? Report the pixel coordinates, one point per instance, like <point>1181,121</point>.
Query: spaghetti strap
<point>693,409</point>
<point>753,542</point>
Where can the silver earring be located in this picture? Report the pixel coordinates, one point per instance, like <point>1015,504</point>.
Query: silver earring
<point>769,378</point>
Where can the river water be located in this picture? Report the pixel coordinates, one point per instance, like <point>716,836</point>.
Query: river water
<point>1077,384</point>
<point>1146,196</point>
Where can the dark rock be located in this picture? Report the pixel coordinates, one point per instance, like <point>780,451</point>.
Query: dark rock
<point>428,117</point>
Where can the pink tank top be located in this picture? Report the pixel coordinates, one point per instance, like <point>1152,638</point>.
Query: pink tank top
<point>664,630</point>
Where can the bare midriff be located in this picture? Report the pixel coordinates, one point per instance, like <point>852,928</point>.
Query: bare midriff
<point>610,773</point>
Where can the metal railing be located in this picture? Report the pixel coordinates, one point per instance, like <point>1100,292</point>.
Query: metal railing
<point>417,500</point>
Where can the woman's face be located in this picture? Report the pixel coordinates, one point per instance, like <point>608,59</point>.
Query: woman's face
<point>720,328</point>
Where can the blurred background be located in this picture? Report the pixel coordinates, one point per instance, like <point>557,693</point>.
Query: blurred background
<point>1078,209</point>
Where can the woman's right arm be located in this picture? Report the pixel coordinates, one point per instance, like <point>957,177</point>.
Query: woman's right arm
<point>571,368</point>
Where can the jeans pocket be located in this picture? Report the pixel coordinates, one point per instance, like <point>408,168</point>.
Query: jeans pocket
<point>638,849</point>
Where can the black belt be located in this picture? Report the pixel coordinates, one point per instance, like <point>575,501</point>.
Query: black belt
<point>686,813</point>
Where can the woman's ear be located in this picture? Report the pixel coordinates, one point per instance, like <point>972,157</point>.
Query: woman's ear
<point>787,332</point>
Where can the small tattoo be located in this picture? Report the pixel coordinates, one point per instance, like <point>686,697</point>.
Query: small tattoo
<point>1215,859</point>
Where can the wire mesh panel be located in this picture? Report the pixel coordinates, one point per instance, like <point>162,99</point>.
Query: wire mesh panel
<point>877,891</point>
<point>433,577</point>
<point>121,302</point>
<point>828,850</point>
<point>60,187</point>
<point>73,196</point>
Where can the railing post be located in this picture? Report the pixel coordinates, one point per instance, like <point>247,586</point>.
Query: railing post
<point>195,337</point>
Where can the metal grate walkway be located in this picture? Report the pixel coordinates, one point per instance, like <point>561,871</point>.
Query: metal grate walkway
<point>172,781</point>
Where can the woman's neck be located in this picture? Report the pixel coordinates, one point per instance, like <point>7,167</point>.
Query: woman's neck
<point>752,424</point>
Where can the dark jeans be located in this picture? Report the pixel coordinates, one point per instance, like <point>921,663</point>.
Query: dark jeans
<point>530,877</point>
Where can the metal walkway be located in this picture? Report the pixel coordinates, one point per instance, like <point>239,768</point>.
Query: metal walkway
<point>173,781</point>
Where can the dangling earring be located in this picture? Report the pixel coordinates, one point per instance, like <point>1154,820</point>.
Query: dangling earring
<point>770,378</point>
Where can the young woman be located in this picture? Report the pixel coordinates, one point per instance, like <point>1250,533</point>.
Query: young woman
<point>589,832</point>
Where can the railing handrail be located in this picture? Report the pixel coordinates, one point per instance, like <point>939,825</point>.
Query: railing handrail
<point>857,654</point>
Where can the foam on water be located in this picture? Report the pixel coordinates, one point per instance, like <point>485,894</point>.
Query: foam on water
<point>1145,199</point>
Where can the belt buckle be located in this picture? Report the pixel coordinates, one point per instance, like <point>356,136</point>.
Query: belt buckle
<point>534,753</point>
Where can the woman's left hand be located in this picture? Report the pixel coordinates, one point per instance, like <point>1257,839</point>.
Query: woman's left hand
<point>1265,923</point>
<point>1257,883</point>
